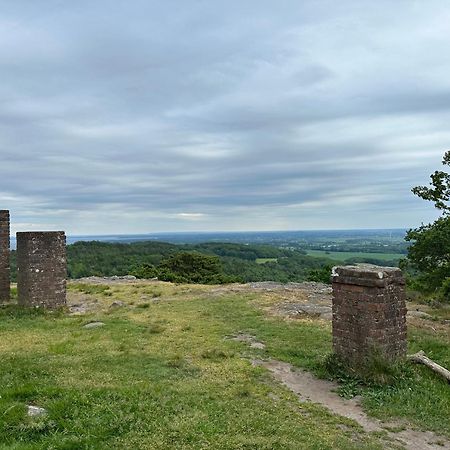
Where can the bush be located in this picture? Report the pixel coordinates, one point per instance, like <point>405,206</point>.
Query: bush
<point>322,275</point>
<point>186,267</point>
<point>444,292</point>
<point>145,271</point>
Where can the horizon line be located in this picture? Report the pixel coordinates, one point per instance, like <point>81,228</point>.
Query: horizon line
<point>235,231</point>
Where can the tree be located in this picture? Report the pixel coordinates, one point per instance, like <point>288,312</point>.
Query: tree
<point>439,192</point>
<point>191,267</point>
<point>429,253</point>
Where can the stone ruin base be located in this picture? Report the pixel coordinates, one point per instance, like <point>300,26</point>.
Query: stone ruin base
<point>369,313</point>
<point>41,269</point>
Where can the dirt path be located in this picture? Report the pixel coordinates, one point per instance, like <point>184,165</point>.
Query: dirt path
<point>309,388</point>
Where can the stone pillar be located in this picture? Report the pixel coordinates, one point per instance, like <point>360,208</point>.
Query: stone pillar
<point>369,313</point>
<point>41,269</point>
<point>4,256</point>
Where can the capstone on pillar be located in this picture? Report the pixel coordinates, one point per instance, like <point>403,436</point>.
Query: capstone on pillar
<point>4,256</point>
<point>369,313</point>
<point>41,269</point>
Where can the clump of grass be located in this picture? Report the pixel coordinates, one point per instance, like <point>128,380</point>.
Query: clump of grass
<point>143,305</point>
<point>216,354</point>
<point>178,362</point>
<point>13,293</point>
<point>155,328</point>
<point>373,372</point>
<point>14,312</point>
<point>152,291</point>
<point>90,289</point>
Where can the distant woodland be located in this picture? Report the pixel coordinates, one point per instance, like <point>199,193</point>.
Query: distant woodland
<point>198,263</point>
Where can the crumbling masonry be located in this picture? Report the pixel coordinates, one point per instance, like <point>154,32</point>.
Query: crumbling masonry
<point>41,269</point>
<point>369,313</point>
<point>4,256</point>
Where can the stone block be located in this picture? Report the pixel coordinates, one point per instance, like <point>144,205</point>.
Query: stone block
<point>369,312</point>
<point>41,269</point>
<point>4,257</point>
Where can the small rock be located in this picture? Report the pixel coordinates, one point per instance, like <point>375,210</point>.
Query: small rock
<point>94,325</point>
<point>34,411</point>
<point>117,304</point>
<point>128,277</point>
<point>313,309</point>
<point>326,316</point>
<point>258,345</point>
<point>420,314</point>
<point>78,309</point>
<point>248,339</point>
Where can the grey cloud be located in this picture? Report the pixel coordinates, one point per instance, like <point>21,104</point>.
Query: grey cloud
<point>175,115</point>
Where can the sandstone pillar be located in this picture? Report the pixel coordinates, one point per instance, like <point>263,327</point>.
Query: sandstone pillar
<point>4,256</point>
<point>369,312</point>
<point>41,269</point>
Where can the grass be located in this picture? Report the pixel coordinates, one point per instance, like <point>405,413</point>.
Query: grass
<point>342,256</point>
<point>90,288</point>
<point>164,377</point>
<point>265,260</point>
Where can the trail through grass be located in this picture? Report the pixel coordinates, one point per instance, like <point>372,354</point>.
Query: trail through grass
<point>165,376</point>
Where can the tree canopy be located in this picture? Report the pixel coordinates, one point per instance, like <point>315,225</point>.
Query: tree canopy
<point>439,192</point>
<point>429,253</point>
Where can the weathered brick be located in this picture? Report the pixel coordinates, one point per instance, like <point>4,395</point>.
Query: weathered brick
<point>41,269</point>
<point>369,312</point>
<point>4,256</point>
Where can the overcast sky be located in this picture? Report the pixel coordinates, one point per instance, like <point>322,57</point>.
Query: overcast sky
<point>145,116</point>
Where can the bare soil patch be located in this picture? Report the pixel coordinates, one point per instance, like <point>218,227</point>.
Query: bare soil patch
<point>310,388</point>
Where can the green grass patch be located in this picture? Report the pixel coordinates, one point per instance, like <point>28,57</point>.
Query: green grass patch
<point>265,260</point>
<point>342,256</point>
<point>164,377</point>
<point>90,288</point>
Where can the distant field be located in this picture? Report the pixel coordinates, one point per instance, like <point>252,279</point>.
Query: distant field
<point>265,260</point>
<point>342,256</point>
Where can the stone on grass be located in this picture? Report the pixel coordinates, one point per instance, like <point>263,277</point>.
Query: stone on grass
<point>94,325</point>
<point>257,345</point>
<point>418,313</point>
<point>34,411</point>
<point>117,304</point>
<point>313,310</point>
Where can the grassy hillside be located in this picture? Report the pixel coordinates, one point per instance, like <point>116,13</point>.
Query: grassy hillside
<point>162,373</point>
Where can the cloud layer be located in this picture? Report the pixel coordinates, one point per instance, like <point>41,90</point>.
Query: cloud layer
<point>210,115</point>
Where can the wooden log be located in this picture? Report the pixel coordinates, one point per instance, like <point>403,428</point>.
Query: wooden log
<point>421,358</point>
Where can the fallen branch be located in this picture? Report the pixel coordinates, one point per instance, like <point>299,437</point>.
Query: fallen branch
<point>420,358</point>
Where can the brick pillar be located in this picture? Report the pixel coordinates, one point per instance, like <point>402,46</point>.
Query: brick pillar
<point>41,269</point>
<point>369,312</point>
<point>4,256</point>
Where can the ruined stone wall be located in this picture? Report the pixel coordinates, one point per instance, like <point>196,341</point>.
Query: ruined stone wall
<point>4,256</point>
<point>41,269</point>
<point>369,312</point>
